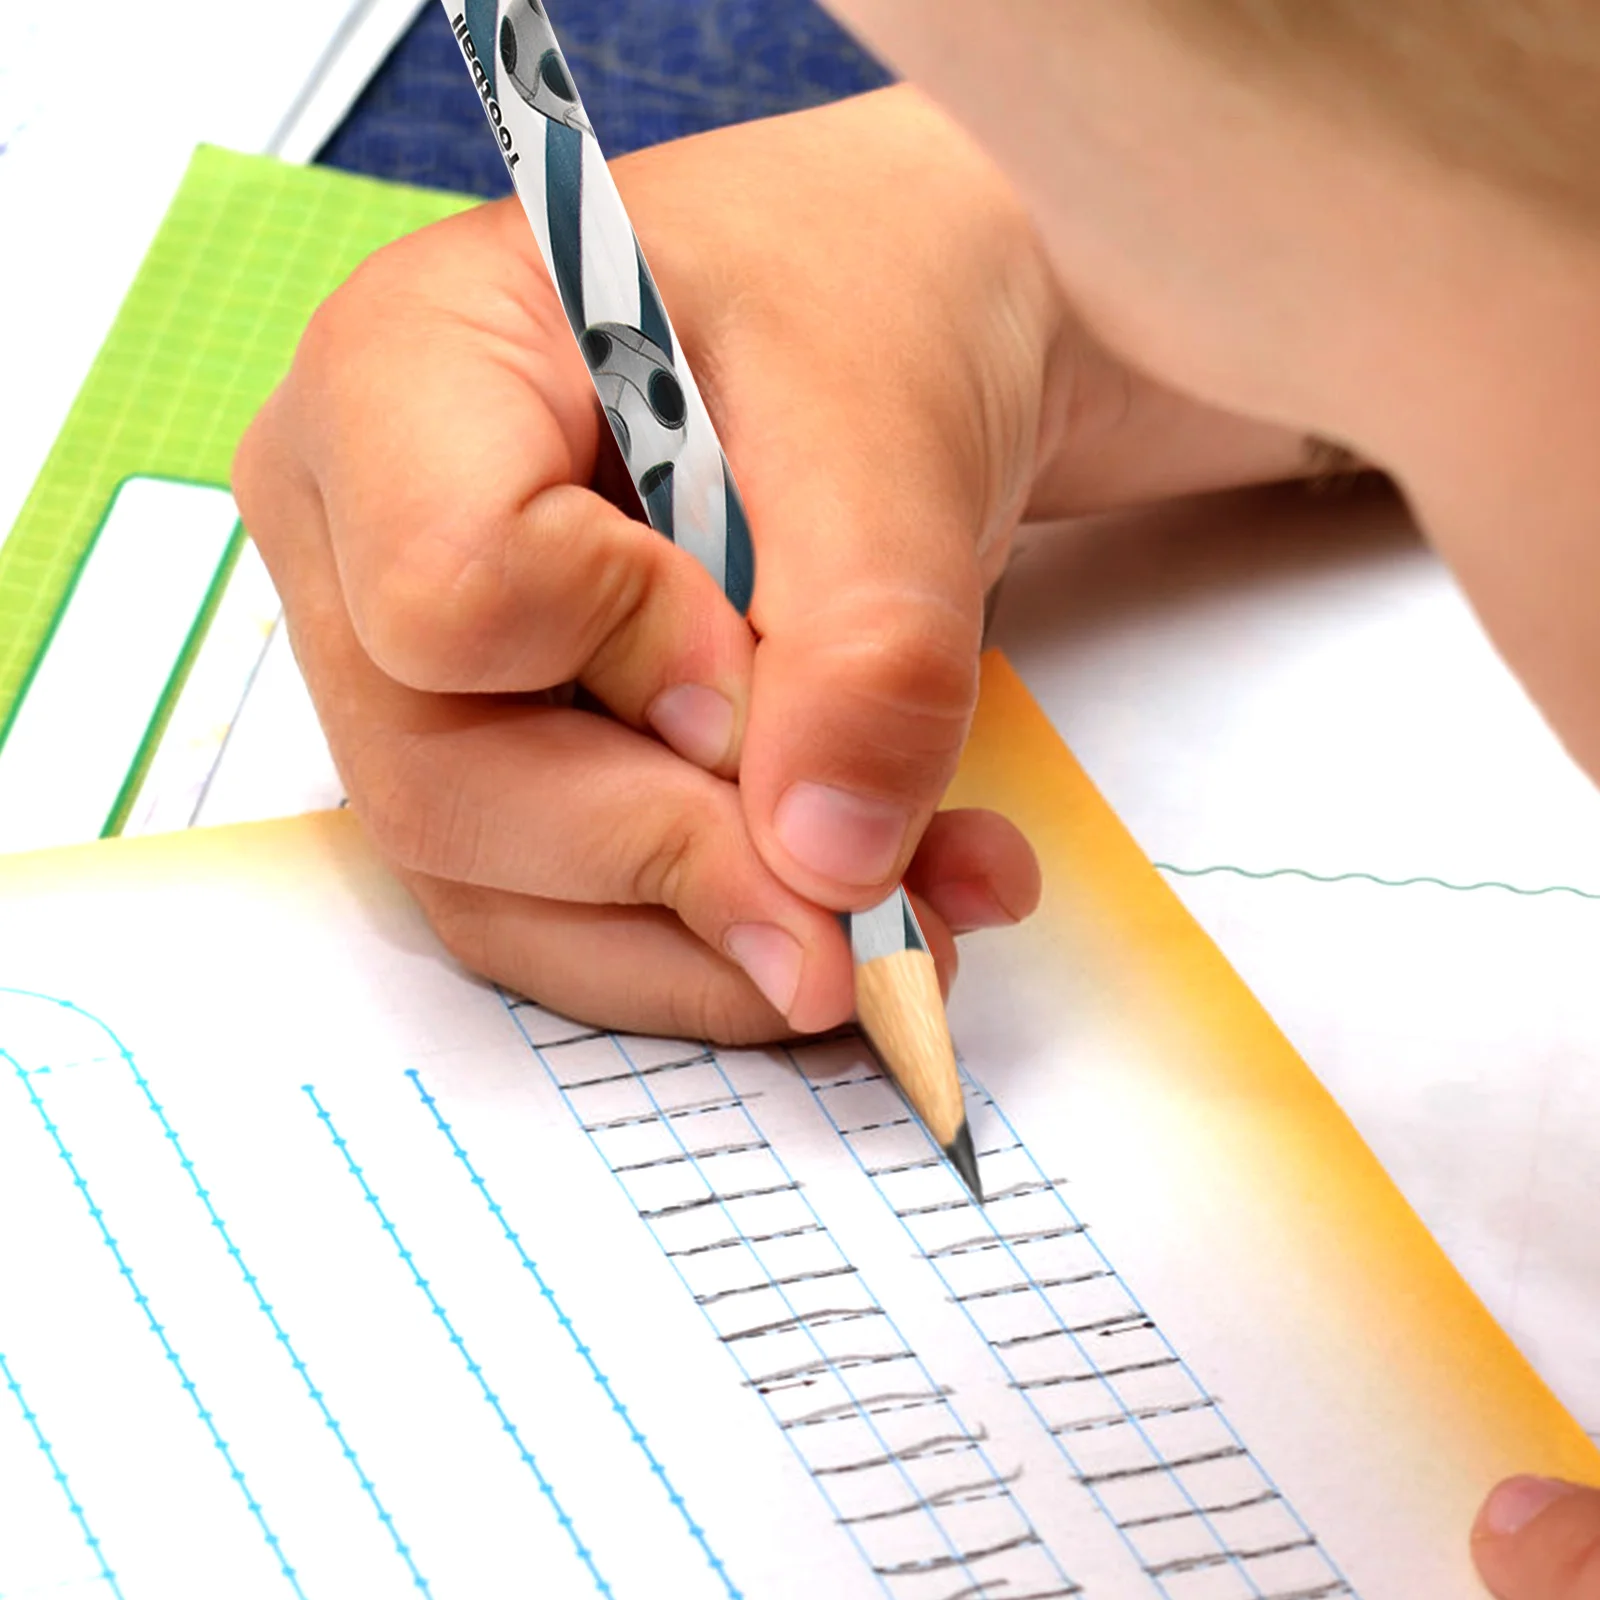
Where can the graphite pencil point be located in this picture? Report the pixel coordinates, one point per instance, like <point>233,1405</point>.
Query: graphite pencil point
<point>965,1160</point>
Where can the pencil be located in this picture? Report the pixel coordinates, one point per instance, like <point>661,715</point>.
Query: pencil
<point>677,463</point>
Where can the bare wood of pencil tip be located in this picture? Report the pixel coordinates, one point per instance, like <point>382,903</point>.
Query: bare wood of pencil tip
<point>902,1013</point>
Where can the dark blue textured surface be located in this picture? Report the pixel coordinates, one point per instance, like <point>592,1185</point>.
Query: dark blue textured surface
<point>648,70</point>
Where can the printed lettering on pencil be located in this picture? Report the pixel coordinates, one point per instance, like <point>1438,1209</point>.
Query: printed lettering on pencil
<point>480,76</point>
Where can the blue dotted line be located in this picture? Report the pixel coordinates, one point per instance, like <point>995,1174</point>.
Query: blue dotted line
<point>318,1399</point>
<point>30,1417</point>
<point>696,1532</point>
<point>280,1333</point>
<point>584,1554</point>
<point>205,1415</point>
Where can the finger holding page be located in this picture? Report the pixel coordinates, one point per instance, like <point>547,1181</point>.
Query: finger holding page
<point>1539,1539</point>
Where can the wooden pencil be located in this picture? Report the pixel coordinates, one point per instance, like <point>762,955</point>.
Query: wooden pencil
<point>666,437</point>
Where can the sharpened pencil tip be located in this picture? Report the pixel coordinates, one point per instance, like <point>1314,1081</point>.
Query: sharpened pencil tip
<point>965,1160</point>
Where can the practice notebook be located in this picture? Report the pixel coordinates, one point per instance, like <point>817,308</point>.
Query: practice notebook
<point>328,1269</point>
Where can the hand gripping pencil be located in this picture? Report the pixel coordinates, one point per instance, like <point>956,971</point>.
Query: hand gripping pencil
<point>676,462</point>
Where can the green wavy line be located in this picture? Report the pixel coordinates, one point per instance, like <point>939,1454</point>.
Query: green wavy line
<point>1371,877</point>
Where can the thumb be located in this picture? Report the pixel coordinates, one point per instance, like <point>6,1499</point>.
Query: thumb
<point>1539,1539</point>
<point>870,617</point>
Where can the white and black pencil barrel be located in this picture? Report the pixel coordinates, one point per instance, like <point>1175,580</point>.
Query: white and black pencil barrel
<point>649,394</point>
<point>650,398</point>
<point>886,930</point>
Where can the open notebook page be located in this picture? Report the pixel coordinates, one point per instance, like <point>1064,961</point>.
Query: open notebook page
<point>328,1270</point>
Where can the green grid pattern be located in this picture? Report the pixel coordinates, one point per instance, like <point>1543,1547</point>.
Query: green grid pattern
<point>249,248</point>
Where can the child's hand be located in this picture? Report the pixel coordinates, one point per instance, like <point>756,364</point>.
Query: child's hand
<point>892,371</point>
<point>419,488</point>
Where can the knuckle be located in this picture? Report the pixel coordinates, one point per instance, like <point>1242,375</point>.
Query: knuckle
<point>476,586</point>
<point>662,874</point>
<point>597,574</point>
<point>249,468</point>
<point>928,656</point>
<point>431,619</point>
<point>914,679</point>
<point>343,356</point>
<point>616,579</point>
<point>339,330</point>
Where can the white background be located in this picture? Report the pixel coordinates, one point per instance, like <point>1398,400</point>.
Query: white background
<point>100,107</point>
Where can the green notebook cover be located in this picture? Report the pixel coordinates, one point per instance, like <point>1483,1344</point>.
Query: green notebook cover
<point>248,249</point>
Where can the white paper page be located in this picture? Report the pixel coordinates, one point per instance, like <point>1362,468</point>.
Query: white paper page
<point>328,1271</point>
<point>220,683</point>
<point>1268,683</point>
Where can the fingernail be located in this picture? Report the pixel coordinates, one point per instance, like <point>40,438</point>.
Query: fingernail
<point>841,835</point>
<point>697,722</point>
<point>1518,1501</point>
<point>967,906</point>
<point>770,957</point>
